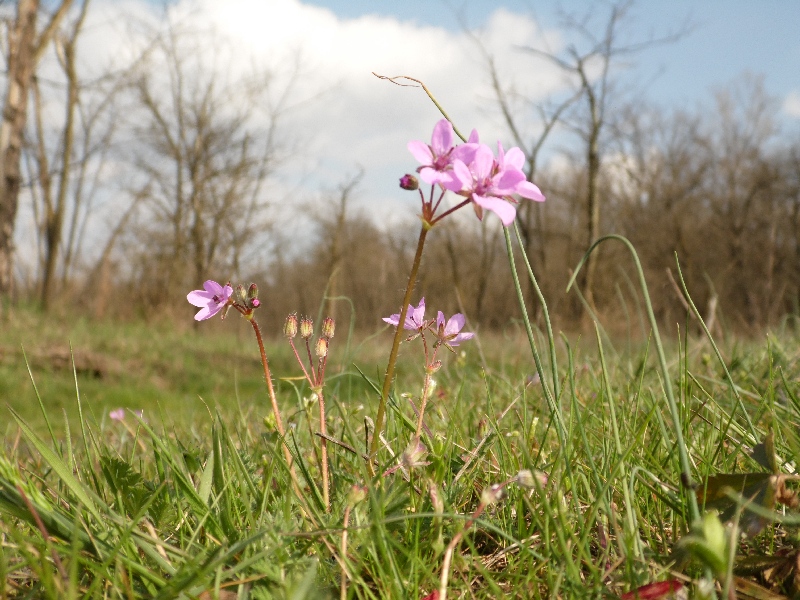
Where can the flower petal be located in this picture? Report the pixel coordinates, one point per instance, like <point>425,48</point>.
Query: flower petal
<point>455,324</point>
<point>212,287</point>
<point>442,138</point>
<point>504,210</point>
<point>481,166</point>
<point>199,297</point>
<point>421,151</point>
<point>528,190</point>
<point>514,158</point>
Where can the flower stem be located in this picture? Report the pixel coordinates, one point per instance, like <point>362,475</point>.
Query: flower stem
<point>273,399</point>
<point>398,335</point>
<point>326,484</point>
<point>425,393</point>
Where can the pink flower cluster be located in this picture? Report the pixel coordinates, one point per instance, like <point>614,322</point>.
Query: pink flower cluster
<point>447,331</point>
<point>472,170</point>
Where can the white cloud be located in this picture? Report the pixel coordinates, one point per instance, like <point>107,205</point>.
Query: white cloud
<point>343,117</point>
<point>791,105</point>
<point>359,119</point>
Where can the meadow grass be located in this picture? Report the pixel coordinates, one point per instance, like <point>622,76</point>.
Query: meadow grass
<point>194,500</point>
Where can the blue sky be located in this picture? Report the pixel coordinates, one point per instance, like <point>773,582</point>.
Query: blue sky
<point>726,38</point>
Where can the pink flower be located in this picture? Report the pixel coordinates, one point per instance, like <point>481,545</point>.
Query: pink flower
<point>211,299</point>
<point>448,332</point>
<point>436,158</point>
<point>490,183</point>
<point>119,414</point>
<point>415,317</point>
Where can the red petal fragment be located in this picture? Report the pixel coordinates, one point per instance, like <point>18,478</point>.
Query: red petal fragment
<point>654,591</point>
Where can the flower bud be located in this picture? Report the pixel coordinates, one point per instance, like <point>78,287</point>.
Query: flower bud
<point>270,424</point>
<point>492,494</point>
<point>290,326</point>
<point>529,479</point>
<point>252,296</point>
<point>409,182</point>
<point>414,454</point>
<point>241,295</point>
<point>434,366</point>
<point>306,328</point>
<point>358,493</point>
<point>321,348</point>
<point>328,327</point>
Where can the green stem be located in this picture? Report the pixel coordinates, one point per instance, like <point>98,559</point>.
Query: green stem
<point>633,535</point>
<point>683,453</point>
<point>740,403</point>
<point>562,433</point>
<point>545,313</point>
<point>398,335</point>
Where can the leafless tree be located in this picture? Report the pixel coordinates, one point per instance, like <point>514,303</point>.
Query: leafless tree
<point>25,49</point>
<point>54,199</point>
<point>204,157</point>
<point>590,63</point>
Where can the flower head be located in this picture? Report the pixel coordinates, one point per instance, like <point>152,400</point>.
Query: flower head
<point>448,332</point>
<point>436,157</point>
<point>415,317</point>
<point>211,299</point>
<point>490,182</point>
<point>118,414</point>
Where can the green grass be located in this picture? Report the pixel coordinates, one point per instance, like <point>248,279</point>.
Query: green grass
<point>195,501</point>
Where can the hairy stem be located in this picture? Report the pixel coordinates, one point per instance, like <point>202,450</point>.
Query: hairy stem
<point>273,399</point>
<point>326,484</point>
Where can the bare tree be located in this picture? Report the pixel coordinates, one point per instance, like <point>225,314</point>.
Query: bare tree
<point>54,201</point>
<point>332,225</point>
<point>203,158</point>
<point>25,49</point>
<point>591,70</point>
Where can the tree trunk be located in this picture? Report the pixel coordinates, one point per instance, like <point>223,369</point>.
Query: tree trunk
<point>55,218</point>
<point>21,60</point>
<point>592,202</point>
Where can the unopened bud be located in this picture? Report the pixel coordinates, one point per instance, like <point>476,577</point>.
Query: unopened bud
<point>413,454</point>
<point>306,328</point>
<point>434,366</point>
<point>252,296</point>
<point>290,326</point>
<point>328,327</point>
<point>492,494</point>
<point>241,295</point>
<point>409,182</point>
<point>529,479</point>
<point>358,493</point>
<point>270,424</point>
<point>321,348</point>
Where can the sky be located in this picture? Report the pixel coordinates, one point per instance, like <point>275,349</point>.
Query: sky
<point>342,120</point>
<point>364,123</point>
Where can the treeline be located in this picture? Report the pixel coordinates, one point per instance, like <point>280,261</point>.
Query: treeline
<point>161,172</point>
<point>717,188</point>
